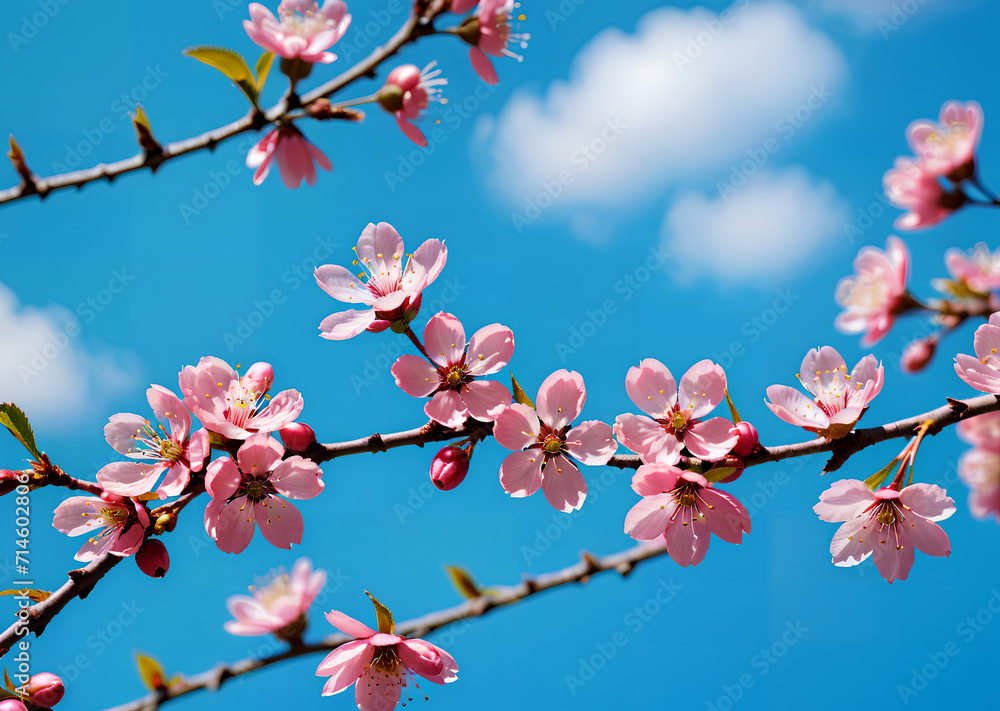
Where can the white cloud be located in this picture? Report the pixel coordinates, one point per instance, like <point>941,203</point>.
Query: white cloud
<point>769,226</point>
<point>47,371</point>
<point>684,95</point>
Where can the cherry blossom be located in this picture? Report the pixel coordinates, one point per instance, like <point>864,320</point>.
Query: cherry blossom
<point>234,406</point>
<point>886,522</point>
<point>407,92</point>
<point>389,291</point>
<point>174,453</point>
<point>247,493</point>
<point>977,269</point>
<point>979,467</point>
<point>122,524</point>
<point>545,445</point>
<point>380,663</point>
<point>948,147</point>
<point>676,414</point>
<point>297,157</point>
<point>983,371</point>
<point>279,605</point>
<point>684,508</point>
<point>911,186</point>
<point>305,30</point>
<point>876,293</point>
<point>839,399</point>
<point>455,377</point>
<point>488,31</point>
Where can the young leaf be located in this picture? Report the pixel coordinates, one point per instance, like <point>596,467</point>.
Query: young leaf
<point>8,683</point>
<point>716,474</point>
<point>385,622</point>
<point>463,582</point>
<point>151,672</point>
<point>33,595</point>
<point>16,421</point>
<point>263,67</point>
<point>230,63</point>
<point>519,394</point>
<point>732,409</point>
<point>875,480</point>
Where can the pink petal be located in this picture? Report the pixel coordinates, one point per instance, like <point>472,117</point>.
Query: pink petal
<point>591,442</point>
<point>380,248</point>
<point>483,66</point>
<point>490,349</point>
<point>345,324</point>
<point>687,539</point>
<point>129,478</point>
<point>893,554</point>
<point>377,690</point>
<point>485,399</point>
<point>702,388</point>
<point>710,439</point>
<point>652,388</point>
<point>280,411</point>
<point>168,408</point>
<point>120,430</point>
<point>415,375</point>
<point>449,668</point>
<point>795,408</point>
<point>424,266</point>
<point>175,481</point>
<point>297,478</point>
<point>647,438</point>
<point>561,398</point>
<point>199,447</point>
<point>222,478</point>
<point>349,625</point>
<point>279,521</point>
<point>516,427</point>
<point>235,525</point>
<point>657,478</point>
<point>819,368</point>
<point>342,285</point>
<point>926,535</point>
<point>444,339</point>
<point>852,542</point>
<point>259,454</point>
<point>447,408</point>
<point>410,131</point>
<point>421,657</point>
<point>927,500</point>
<point>521,473</point>
<point>844,500</point>
<point>345,665</point>
<point>726,517</point>
<point>563,485</point>
<point>649,518</point>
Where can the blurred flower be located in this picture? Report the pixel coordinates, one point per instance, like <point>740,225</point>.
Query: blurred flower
<point>488,31</point>
<point>676,413</point>
<point>977,269</point>
<point>251,492</point>
<point>545,447</point>
<point>123,523</point>
<point>948,147</point>
<point>983,371</point>
<point>685,509</point>
<point>304,32</point>
<point>454,379</point>
<point>279,604</point>
<point>876,293</point>
<point>911,186</point>
<point>390,292</point>
<point>175,453</point>
<point>887,522</point>
<point>407,92</point>
<point>918,354</point>
<point>234,406</point>
<point>839,399</point>
<point>979,467</point>
<point>297,157</point>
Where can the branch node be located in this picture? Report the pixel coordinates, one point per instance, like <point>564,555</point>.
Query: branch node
<point>377,444</point>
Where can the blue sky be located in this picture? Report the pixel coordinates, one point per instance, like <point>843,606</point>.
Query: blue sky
<point>636,122</point>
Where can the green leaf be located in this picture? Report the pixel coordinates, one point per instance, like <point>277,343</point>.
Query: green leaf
<point>463,582</point>
<point>385,622</point>
<point>230,63</point>
<point>875,480</point>
<point>519,394</point>
<point>716,474</point>
<point>732,409</point>
<point>263,67</point>
<point>16,421</point>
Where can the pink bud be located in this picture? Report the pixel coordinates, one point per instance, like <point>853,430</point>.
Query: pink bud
<point>731,460</point>
<point>918,355</point>
<point>153,559</point>
<point>112,498</point>
<point>297,436</point>
<point>747,439</point>
<point>45,690</point>
<point>8,481</point>
<point>260,377</point>
<point>449,467</point>
<point>378,325</point>
<point>12,705</point>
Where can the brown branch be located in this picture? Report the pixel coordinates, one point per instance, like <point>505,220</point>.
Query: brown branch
<point>417,25</point>
<point>589,565</point>
<point>431,432</point>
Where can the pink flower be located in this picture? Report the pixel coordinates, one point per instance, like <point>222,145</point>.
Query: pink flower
<point>390,292</point>
<point>977,269</point>
<point>304,32</point>
<point>684,508</point>
<point>455,377</point>
<point>545,446</point>
<point>876,294</point>
<point>948,148</point>
<point>123,523</point>
<point>407,92</point>
<point>381,663</point>
<point>295,155</point>
<point>918,354</point>
<point>248,493</point>
<point>983,371</point>
<point>979,467</point>
<point>839,400</point>
<point>234,406</point>
<point>911,186</point>
<point>280,604</point>
<point>677,415</point>
<point>175,453</point>
<point>887,522</point>
<point>488,31</point>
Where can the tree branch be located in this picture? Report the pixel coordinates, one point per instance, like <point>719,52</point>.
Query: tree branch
<point>622,562</point>
<point>418,25</point>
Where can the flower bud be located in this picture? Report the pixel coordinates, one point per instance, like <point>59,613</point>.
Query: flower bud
<point>297,436</point>
<point>918,355</point>
<point>730,460</point>
<point>165,522</point>
<point>45,690</point>
<point>260,377</point>
<point>449,467</point>
<point>12,705</point>
<point>378,325</point>
<point>8,481</point>
<point>390,97</point>
<point>747,439</point>
<point>152,558</point>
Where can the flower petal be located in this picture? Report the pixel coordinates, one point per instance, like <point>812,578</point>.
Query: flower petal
<point>561,398</point>
<point>415,375</point>
<point>652,388</point>
<point>345,665</point>
<point>701,389</point>
<point>563,484</point>
<point>928,500</point>
<point>649,518</point>
<point>521,473</point>
<point>516,427</point>
<point>844,500</point>
<point>490,349</point>
<point>279,521</point>
<point>485,399</point>
<point>591,442</point>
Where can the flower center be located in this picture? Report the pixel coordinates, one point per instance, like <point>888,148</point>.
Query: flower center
<point>678,422</point>
<point>386,660</point>
<point>553,445</point>
<point>116,515</point>
<point>686,494</point>
<point>170,450</point>
<point>887,515</point>
<point>455,377</point>
<point>255,489</point>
